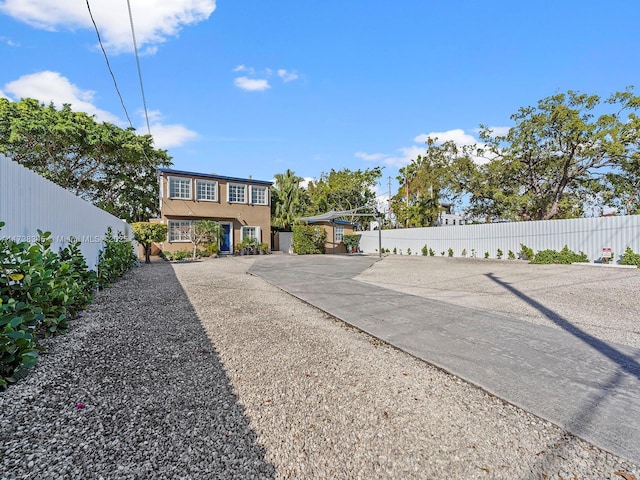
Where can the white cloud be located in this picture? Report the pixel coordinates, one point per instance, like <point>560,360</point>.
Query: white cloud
<point>48,86</point>
<point>164,135</point>
<point>251,84</point>
<point>305,182</point>
<point>458,136</point>
<point>287,76</point>
<point>261,84</point>
<point>405,155</point>
<point>499,131</point>
<point>244,68</point>
<point>154,20</point>
<point>167,136</point>
<point>9,42</point>
<point>370,157</point>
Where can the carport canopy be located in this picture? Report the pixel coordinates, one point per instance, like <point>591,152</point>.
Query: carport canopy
<point>329,216</point>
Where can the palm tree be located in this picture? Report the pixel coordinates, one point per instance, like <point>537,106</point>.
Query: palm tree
<point>288,202</point>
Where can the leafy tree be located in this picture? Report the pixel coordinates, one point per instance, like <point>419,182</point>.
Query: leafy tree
<point>345,190</point>
<point>288,200</point>
<point>435,177</point>
<point>108,166</point>
<point>558,156</point>
<point>147,233</point>
<point>204,231</point>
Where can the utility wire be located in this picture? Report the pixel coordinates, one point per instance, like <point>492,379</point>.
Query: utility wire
<point>109,65</point>
<point>135,48</point>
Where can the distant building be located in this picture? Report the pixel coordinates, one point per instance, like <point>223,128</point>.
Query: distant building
<point>448,218</point>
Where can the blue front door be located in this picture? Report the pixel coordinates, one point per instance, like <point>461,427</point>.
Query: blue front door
<point>226,241</point>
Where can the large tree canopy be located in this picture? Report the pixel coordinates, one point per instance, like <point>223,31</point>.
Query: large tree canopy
<point>111,167</point>
<point>345,190</point>
<point>559,157</point>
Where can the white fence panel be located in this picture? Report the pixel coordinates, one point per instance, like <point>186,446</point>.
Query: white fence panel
<point>29,202</point>
<point>589,235</point>
<point>285,242</point>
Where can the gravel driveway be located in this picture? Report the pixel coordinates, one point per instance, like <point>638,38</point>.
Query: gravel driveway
<point>198,370</point>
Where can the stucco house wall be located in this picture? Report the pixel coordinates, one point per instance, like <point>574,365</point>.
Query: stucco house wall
<point>241,205</point>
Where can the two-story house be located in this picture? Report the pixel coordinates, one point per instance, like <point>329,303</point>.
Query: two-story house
<point>241,205</point>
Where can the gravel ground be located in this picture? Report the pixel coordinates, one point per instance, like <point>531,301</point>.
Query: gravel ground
<point>157,401</point>
<point>233,378</point>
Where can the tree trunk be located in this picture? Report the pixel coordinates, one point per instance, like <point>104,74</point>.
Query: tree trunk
<point>147,253</point>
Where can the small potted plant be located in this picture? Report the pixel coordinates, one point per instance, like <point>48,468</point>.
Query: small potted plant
<point>351,242</point>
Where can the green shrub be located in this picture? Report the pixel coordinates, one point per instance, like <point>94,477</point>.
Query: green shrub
<point>211,249</point>
<point>115,259</point>
<point>182,255</point>
<point>464,252</point>
<point>408,251</point>
<point>431,252</point>
<point>499,254</point>
<point>309,239</point>
<point>18,347</point>
<point>564,256</point>
<point>425,251</point>
<point>395,250</point>
<point>526,252</point>
<point>629,257</point>
<point>78,270</point>
<point>450,252</point>
<point>486,254</point>
<point>511,255</point>
<point>40,291</point>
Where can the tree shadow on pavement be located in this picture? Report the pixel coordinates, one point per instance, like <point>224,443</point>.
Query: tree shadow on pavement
<point>628,363</point>
<point>628,366</point>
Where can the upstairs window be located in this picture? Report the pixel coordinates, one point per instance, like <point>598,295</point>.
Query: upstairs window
<point>180,188</point>
<point>207,190</point>
<point>258,195</point>
<point>236,193</point>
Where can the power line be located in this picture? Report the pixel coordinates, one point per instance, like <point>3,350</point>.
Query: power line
<point>135,48</point>
<point>109,65</point>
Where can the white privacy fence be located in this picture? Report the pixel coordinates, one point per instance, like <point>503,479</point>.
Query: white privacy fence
<point>589,235</point>
<point>29,202</point>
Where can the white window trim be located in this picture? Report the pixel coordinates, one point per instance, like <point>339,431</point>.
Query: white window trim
<point>214,182</point>
<point>340,235</point>
<point>266,194</point>
<point>258,232</point>
<point>169,222</point>
<point>190,180</point>
<point>229,192</point>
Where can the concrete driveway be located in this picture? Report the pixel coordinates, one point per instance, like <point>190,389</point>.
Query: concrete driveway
<point>559,341</point>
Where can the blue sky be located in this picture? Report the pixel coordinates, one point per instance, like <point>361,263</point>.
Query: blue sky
<point>253,87</point>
